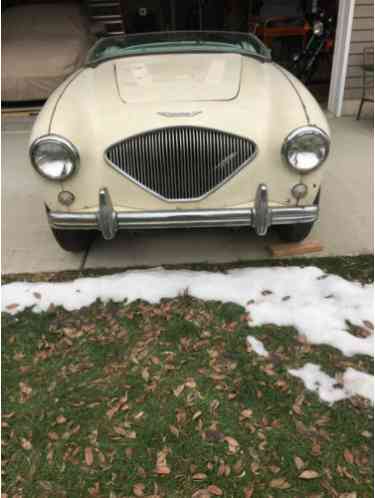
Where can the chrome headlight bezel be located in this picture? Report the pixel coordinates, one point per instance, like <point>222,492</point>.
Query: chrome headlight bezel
<point>66,146</point>
<point>311,131</point>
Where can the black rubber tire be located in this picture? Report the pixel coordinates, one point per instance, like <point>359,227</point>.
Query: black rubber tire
<point>297,232</point>
<point>74,240</point>
<point>294,233</point>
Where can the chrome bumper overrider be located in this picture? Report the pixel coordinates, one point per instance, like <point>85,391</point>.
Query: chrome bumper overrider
<point>108,221</point>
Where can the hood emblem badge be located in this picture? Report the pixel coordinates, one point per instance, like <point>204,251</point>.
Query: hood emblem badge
<point>180,114</point>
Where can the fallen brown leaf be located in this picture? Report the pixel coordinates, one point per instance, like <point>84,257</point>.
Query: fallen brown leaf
<point>131,434</point>
<point>215,490</point>
<point>274,469</point>
<point>161,462</point>
<point>181,416</point>
<point>238,467</point>
<point>248,492</point>
<point>299,463</point>
<point>145,375</point>
<point>309,474</point>
<point>53,436</point>
<point>121,431</point>
<point>221,470</point>
<point>115,408</point>
<point>368,324</point>
<point>72,333</point>
<point>26,444</point>
<point>95,491</point>
<point>246,414</point>
<point>11,307</point>
<point>50,455</point>
<point>200,476</point>
<point>348,456</point>
<point>163,470</point>
<point>26,391</point>
<point>297,406</point>
<point>139,489</point>
<point>190,382</point>
<point>201,493</point>
<point>233,445</point>
<point>214,405</point>
<point>89,456</point>
<point>112,411</point>
<point>315,450</point>
<point>101,456</point>
<point>174,430</point>
<point>224,470</point>
<point>280,483</point>
<point>178,390</point>
<point>129,453</point>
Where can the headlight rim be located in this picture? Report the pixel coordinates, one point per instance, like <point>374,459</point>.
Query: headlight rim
<point>298,132</point>
<point>55,138</point>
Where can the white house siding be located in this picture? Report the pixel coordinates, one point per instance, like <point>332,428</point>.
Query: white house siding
<point>362,36</point>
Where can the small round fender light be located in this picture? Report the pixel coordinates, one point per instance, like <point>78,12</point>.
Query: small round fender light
<point>66,198</point>
<point>299,191</point>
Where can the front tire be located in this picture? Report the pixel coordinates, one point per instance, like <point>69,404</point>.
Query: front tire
<point>74,240</point>
<point>299,231</point>
<point>294,233</point>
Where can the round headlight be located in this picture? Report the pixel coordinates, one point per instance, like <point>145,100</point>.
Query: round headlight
<point>306,148</point>
<point>54,157</point>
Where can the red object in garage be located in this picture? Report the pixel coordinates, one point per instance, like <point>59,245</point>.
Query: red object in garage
<point>279,27</point>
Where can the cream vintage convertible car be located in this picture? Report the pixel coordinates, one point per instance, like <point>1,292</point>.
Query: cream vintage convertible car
<point>179,129</point>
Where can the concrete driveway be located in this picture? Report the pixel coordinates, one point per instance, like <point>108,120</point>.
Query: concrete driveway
<point>345,228</point>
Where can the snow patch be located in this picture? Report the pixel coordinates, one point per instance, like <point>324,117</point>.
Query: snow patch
<point>316,304</point>
<point>257,346</point>
<point>359,383</point>
<point>354,383</point>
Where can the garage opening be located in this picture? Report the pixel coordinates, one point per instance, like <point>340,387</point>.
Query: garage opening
<point>300,33</point>
<point>45,41</point>
<point>164,15</point>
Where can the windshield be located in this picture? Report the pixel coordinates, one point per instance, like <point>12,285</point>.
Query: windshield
<point>177,42</point>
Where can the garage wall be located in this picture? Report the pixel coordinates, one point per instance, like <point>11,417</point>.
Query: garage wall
<point>362,36</point>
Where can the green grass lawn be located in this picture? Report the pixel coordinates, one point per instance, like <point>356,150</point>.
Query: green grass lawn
<point>165,400</point>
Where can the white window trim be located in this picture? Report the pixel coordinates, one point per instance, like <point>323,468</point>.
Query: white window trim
<point>341,56</point>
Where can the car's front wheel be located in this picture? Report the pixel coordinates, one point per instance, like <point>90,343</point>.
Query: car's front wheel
<point>294,233</point>
<point>297,232</point>
<point>74,240</point>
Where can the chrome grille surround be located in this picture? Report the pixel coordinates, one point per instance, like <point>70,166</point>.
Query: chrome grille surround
<point>181,163</point>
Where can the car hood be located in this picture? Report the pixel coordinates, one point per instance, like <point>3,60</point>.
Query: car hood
<point>98,106</point>
<point>178,78</point>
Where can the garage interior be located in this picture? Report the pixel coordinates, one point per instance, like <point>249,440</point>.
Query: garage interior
<point>45,41</point>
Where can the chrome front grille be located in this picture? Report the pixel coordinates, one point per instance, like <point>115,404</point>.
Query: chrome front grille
<point>181,163</point>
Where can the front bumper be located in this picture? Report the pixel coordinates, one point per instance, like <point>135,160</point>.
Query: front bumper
<point>108,221</point>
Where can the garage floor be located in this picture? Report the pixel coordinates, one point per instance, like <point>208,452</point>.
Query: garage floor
<point>345,228</point>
